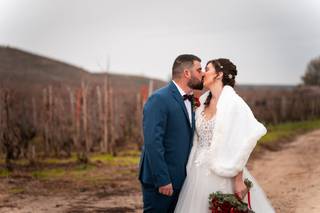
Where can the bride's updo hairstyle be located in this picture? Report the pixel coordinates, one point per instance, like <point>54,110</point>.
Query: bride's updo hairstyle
<point>229,73</point>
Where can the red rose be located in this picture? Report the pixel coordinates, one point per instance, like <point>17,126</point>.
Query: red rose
<point>196,102</point>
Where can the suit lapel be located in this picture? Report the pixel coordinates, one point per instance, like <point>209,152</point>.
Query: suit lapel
<point>176,94</point>
<point>193,120</point>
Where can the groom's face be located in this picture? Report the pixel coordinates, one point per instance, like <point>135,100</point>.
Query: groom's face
<point>196,76</point>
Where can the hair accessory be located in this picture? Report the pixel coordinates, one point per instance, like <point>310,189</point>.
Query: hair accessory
<point>230,76</point>
<point>218,63</point>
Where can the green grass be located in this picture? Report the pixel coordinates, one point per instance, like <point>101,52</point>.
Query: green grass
<point>78,172</point>
<point>82,172</point>
<point>104,158</point>
<point>125,158</point>
<point>288,130</point>
<point>4,173</point>
<point>48,173</point>
<point>72,159</point>
<point>115,161</point>
<point>131,152</point>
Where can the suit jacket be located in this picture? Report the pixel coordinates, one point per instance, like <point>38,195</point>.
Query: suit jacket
<point>168,137</point>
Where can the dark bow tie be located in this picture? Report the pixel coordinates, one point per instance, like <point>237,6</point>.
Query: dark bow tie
<point>189,97</point>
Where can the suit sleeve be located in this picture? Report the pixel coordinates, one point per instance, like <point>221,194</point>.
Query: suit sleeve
<point>154,127</point>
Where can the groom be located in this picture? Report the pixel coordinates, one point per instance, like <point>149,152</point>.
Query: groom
<point>168,126</point>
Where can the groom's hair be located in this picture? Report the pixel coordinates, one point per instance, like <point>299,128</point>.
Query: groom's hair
<point>182,62</point>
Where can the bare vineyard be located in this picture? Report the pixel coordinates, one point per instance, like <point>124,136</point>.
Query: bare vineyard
<point>61,120</point>
<point>278,106</point>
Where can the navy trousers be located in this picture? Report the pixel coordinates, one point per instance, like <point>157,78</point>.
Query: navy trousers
<point>154,202</point>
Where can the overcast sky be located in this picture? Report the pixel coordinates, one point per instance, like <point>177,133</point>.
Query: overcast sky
<point>270,41</point>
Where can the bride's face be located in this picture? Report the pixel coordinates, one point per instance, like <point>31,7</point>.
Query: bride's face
<point>211,76</point>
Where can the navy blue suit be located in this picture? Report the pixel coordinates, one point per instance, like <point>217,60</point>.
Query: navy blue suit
<point>168,138</point>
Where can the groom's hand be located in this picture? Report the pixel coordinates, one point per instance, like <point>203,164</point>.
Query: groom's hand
<point>166,190</point>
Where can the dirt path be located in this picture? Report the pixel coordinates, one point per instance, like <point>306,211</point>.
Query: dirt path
<point>290,178</point>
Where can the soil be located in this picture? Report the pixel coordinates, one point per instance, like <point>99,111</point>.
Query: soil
<point>289,176</point>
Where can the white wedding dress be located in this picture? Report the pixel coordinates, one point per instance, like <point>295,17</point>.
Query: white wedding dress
<point>200,183</point>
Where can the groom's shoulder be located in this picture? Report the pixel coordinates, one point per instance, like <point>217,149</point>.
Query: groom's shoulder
<point>159,96</point>
<point>162,92</point>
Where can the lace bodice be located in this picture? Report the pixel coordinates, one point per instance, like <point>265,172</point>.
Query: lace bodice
<point>204,130</point>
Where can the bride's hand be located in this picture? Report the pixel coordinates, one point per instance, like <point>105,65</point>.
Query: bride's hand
<point>240,188</point>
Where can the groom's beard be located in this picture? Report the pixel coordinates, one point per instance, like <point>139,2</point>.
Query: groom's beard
<point>195,83</point>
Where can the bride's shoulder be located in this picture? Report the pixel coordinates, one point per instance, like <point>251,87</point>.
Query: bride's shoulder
<point>236,101</point>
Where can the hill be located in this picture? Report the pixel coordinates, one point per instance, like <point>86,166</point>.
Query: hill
<point>21,69</point>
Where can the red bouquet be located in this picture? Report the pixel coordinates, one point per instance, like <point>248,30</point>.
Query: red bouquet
<point>229,203</point>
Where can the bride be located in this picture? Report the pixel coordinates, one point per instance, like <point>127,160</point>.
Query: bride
<point>226,133</point>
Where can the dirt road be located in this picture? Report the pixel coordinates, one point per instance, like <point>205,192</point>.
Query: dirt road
<point>290,178</point>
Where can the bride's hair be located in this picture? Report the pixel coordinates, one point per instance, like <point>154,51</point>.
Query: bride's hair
<point>229,71</point>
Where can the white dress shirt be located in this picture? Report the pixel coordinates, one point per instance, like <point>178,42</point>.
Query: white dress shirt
<point>187,103</point>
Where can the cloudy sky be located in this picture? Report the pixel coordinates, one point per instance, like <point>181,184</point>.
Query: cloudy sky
<point>270,41</point>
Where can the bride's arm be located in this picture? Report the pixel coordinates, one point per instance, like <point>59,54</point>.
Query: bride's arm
<point>240,189</point>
